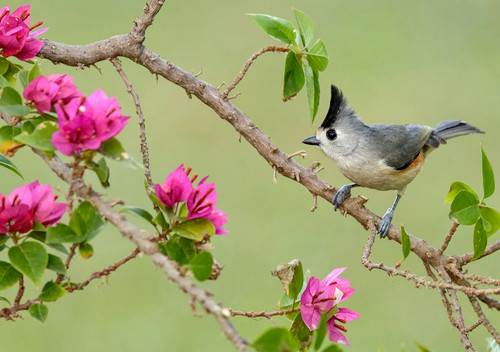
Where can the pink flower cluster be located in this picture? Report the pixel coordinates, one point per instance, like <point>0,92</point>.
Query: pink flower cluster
<point>44,91</point>
<point>84,122</point>
<point>320,297</point>
<point>27,204</point>
<point>15,37</point>
<point>200,200</point>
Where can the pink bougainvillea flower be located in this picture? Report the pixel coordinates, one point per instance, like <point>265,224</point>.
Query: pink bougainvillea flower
<point>44,92</point>
<point>176,188</point>
<point>27,204</point>
<point>320,297</point>
<point>335,330</point>
<point>317,299</point>
<point>84,123</point>
<point>107,115</point>
<point>201,202</point>
<point>15,37</point>
<point>218,218</point>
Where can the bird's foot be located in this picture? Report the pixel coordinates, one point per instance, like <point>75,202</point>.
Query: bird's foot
<point>342,193</point>
<point>385,224</point>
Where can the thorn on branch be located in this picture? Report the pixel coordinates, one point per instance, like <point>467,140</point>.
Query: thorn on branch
<point>315,203</point>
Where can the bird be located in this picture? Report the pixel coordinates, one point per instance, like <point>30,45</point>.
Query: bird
<point>378,156</point>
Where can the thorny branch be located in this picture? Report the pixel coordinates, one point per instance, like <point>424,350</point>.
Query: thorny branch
<point>142,121</point>
<point>130,46</point>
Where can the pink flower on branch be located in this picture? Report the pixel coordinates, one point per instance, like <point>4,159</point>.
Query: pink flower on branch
<point>16,38</point>
<point>27,204</point>
<point>200,200</point>
<point>320,297</point>
<point>176,188</point>
<point>44,92</point>
<point>84,123</point>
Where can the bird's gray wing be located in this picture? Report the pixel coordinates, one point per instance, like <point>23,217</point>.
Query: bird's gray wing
<point>399,145</point>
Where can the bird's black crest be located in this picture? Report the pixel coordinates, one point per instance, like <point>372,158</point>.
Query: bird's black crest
<point>336,102</point>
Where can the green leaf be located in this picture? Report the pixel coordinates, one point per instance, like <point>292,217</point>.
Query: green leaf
<point>491,220</point>
<point>3,238</point>
<point>201,265</point>
<point>276,340</point>
<point>276,27</point>
<point>465,208</point>
<point>159,219</point>
<point>488,176</point>
<point>306,27</point>
<point>51,292</point>
<point>300,330</point>
<point>312,87</point>
<point>295,285</point>
<point>333,348</point>
<point>3,299</point>
<point>320,333</point>
<point>113,149</point>
<point>8,276</point>
<point>421,348</point>
<point>42,237</point>
<point>293,79</point>
<point>101,169</point>
<point>194,229</point>
<point>39,311</point>
<point>405,242</point>
<point>86,250</point>
<point>92,219</point>
<point>30,258</point>
<point>56,264</point>
<point>480,239</point>
<point>61,233</point>
<point>140,212</point>
<point>457,187</point>
<point>4,65</point>
<point>11,73</point>
<point>9,165</point>
<point>180,249</point>
<point>34,72</point>
<point>40,138</point>
<point>4,82</point>
<point>317,56</point>
<point>23,78</point>
<point>78,223</point>
<point>12,103</point>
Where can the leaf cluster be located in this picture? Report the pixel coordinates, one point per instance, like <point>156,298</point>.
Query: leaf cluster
<point>305,59</point>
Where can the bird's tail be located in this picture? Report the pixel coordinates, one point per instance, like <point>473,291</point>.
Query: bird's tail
<point>449,129</point>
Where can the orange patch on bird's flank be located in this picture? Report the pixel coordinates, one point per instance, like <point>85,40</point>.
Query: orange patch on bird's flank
<point>417,163</point>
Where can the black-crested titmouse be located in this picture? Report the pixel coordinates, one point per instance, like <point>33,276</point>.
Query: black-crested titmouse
<point>378,156</point>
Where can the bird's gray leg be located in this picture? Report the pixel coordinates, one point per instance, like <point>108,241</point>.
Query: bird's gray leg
<point>385,224</point>
<point>342,193</point>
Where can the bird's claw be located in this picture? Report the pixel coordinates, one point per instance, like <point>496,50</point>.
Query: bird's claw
<point>342,193</point>
<point>385,224</point>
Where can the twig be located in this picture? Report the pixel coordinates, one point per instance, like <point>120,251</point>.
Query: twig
<point>458,313</point>
<point>263,314</point>
<point>492,248</point>
<point>104,272</point>
<point>142,122</point>
<point>20,292</point>
<point>448,237</point>
<point>272,48</point>
<point>71,253</point>
<point>484,320</point>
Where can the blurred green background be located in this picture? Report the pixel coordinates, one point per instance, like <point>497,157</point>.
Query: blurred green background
<point>396,61</point>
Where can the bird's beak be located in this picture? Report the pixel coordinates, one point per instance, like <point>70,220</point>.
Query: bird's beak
<point>311,141</point>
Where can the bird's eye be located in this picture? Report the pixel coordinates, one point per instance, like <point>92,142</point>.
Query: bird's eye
<point>331,134</point>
